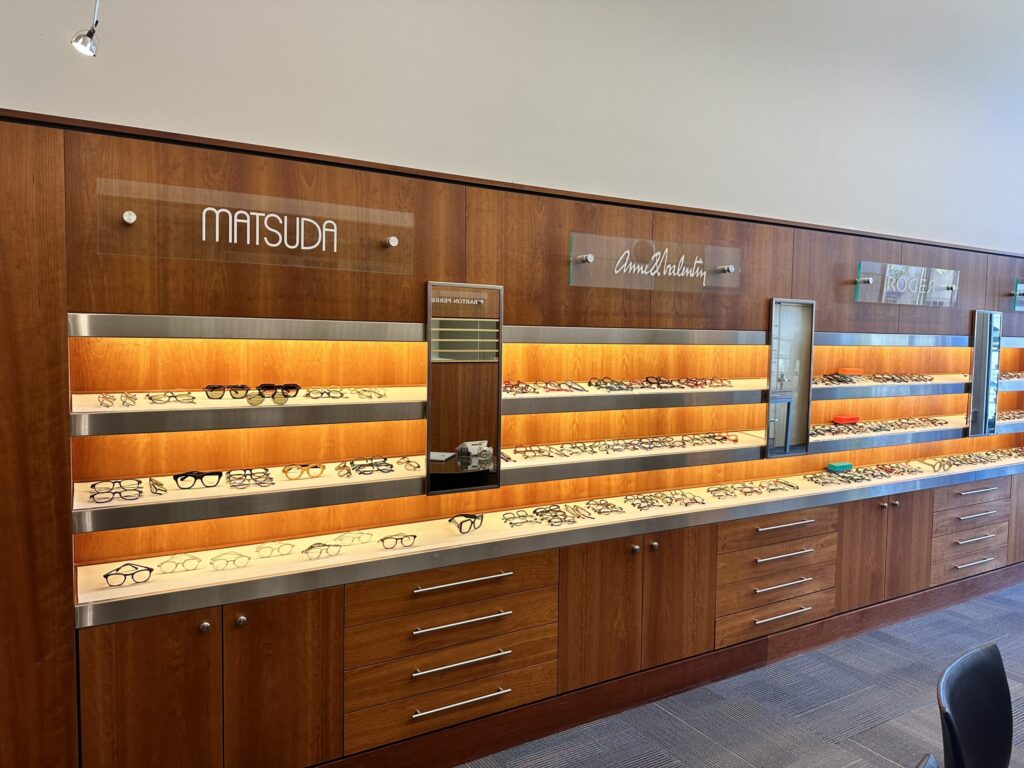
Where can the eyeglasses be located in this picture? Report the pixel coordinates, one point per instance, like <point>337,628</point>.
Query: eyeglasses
<point>466,522</point>
<point>344,470</point>
<point>243,478</point>
<point>408,464</point>
<point>604,507</point>
<point>107,490</point>
<point>139,574</point>
<point>156,487</point>
<point>352,538</point>
<point>179,563</point>
<point>170,397</point>
<point>229,560</point>
<point>106,400</point>
<point>298,471</point>
<point>274,549</point>
<point>278,393</point>
<point>188,480</point>
<point>1010,416</point>
<point>319,549</point>
<point>1011,375</point>
<point>367,393</point>
<point>518,388</point>
<point>216,391</point>
<point>405,540</point>
<point>333,392</point>
<point>367,466</point>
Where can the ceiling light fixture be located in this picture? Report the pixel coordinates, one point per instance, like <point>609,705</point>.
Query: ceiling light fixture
<point>84,41</point>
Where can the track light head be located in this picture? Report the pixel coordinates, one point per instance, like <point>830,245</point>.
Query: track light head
<point>84,40</point>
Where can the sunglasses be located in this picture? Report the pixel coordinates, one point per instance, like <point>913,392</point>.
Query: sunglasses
<point>278,393</point>
<point>138,574</point>
<point>216,391</point>
<point>406,540</point>
<point>466,522</point>
<point>188,480</point>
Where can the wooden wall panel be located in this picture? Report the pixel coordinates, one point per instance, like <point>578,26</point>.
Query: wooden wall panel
<point>889,407</point>
<point>1003,273</point>
<point>971,296</point>
<point>928,360</point>
<point>37,665</point>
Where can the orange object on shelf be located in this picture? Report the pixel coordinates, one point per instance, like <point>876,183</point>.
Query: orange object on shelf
<point>851,371</point>
<point>845,419</point>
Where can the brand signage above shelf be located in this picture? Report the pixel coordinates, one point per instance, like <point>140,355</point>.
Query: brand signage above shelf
<point>881,283</point>
<point>603,261</point>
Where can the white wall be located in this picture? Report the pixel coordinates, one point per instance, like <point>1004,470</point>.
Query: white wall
<point>899,116</point>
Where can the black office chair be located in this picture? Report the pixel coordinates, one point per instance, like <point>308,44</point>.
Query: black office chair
<point>975,710</point>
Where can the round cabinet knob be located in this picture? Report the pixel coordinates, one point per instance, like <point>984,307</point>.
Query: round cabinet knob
<point>655,545</point>
<point>884,505</point>
<point>129,217</point>
<point>241,621</point>
<point>636,549</point>
<point>895,502</point>
<point>205,627</point>
<point>391,241</point>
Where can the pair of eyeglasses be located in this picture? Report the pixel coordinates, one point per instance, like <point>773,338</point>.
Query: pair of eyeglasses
<point>404,540</point>
<point>466,522</point>
<point>137,574</point>
<point>333,392</point>
<point>367,466</point>
<point>179,563</point>
<point>278,393</point>
<point>188,480</point>
<point>298,471</point>
<point>604,507</point>
<point>156,487</point>
<point>518,388</point>
<point>107,490</point>
<point>408,464</point>
<point>160,398</point>
<point>128,399</point>
<point>320,549</point>
<point>367,393</point>
<point>352,538</point>
<point>1010,416</point>
<point>229,560</point>
<point>274,549</point>
<point>243,478</point>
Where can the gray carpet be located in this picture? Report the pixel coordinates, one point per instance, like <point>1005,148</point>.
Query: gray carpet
<point>864,702</point>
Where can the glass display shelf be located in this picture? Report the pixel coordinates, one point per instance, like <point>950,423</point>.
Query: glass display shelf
<point>941,384</point>
<point>1014,381</point>
<point>438,543</point>
<point>89,417</point>
<point>1009,423</point>
<point>200,503</point>
<point>553,334</point>
<point>843,339</point>
<point>954,428</point>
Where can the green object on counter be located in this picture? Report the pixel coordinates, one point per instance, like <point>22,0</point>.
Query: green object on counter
<point>839,466</point>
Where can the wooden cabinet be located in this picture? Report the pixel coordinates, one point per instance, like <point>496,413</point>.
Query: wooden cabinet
<point>150,692</point>
<point>972,293</point>
<point>283,680</point>
<point>860,565</point>
<point>908,543</point>
<point>1015,551</point>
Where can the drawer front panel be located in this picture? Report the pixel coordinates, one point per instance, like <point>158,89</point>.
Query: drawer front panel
<point>771,529</point>
<point>765,590</point>
<point>758,622</point>
<point>776,558</point>
<point>962,545</point>
<point>968,494</point>
<point>425,672</point>
<point>379,599</point>
<point>960,568</point>
<point>959,519</point>
<point>432,630</point>
<point>375,726</point>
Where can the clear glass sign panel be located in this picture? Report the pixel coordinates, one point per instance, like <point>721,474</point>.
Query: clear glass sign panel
<point>604,261</point>
<point>881,283</point>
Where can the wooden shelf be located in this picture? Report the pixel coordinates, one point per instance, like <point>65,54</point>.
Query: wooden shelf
<point>741,391</point>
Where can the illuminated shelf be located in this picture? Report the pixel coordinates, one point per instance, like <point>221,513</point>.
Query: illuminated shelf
<point>177,506</point>
<point>89,418</point>
<point>1009,427</point>
<point>1011,385</point>
<point>595,399</point>
<point>956,428</point>
<point>942,384</point>
<point>553,334</point>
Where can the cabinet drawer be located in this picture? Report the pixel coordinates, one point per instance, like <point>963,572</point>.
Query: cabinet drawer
<point>968,494</point>
<point>747,625</point>
<point>959,519</point>
<point>968,565</point>
<point>427,712</point>
<point>771,529</point>
<point>444,627</point>
<point>776,558</point>
<point>414,675</point>
<point>765,590</point>
<point>965,543</point>
<point>425,590</point>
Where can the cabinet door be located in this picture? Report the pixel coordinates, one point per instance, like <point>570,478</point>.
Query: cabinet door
<point>1015,554</point>
<point>860,564</point>
<point>679,594</point>
<point>283,680</point>
<point>150,692</point>
<point>908,544</point>
<point>600,606</point>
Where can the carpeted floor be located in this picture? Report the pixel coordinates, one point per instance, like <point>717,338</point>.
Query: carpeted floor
<point>863,702</point>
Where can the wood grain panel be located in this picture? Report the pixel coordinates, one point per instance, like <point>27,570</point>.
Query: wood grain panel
<point>960,519</point>
<point>1002,275</point>
<point>750,594</point>
<point>972,294</point>
<point>765,271</point>
<point>679,594</point>
<point>772,529</point>
<point>531,234</point>
<point>968,494</point>
<point>786,614</point>
<point>823,411</point>
<point>37,666</point>
<point>908,543</point>
<point>927,360</point>
<point>151,690</point>
<point>283,680</point>
<point>964,566</point>
<point>1015,552</point>
<point>166,282</point>
<point>963,546</point>
<point>825,269</point>
<point>600,611</point>
<point>860,574</point>
<point>780,558</point>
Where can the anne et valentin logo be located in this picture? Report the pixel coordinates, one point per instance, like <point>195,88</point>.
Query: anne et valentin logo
<point>662,265</point>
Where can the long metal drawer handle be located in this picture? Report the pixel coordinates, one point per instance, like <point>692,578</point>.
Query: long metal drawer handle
<point>463,623</point>
<point>502,575</point>
<point>986,537</point>
<point>500,692</point>
<point>977,514</point>
<point>479,659</point>
<point>783,557</point>
<point>797,612</point>
<point>977,490</point>
<point>976,562</point>
<point>803,580</point>
<point>786,525</point>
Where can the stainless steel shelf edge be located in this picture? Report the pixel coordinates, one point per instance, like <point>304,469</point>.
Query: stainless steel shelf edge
<point>888,390</point>
<point>139,422</point>
<point>622,402</point>
<point>197,327</point>
<point>1011,385</point>
<point>549,334</point>
<point>884,440</point>
<point>1009,427</point>
<point>514,475</point>
<point>831,339</point>
<point>1012,342</point>
<point>125,609</point>
<point>102,518</point>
